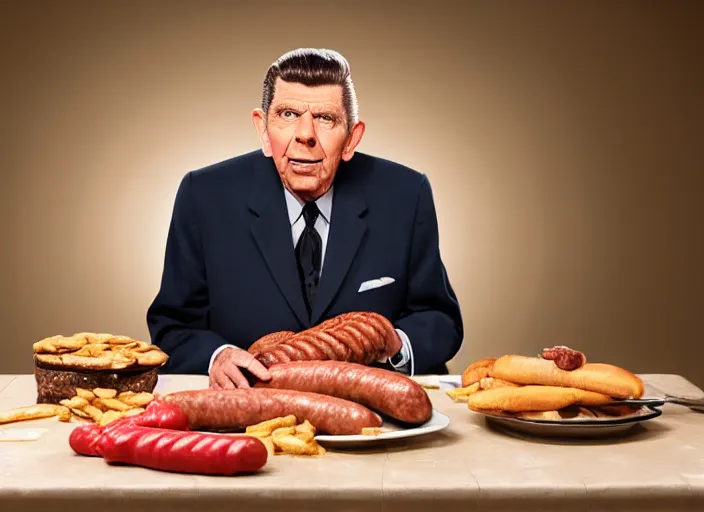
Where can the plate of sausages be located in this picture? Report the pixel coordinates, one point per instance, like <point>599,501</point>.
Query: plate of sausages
<point>345,402</point>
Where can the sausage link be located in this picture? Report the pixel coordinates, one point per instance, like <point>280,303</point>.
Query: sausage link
<point>233,409</point>
<point>387,392</point>
<point>182,451</point>
<point>84,439</point>
<point>340,351</point>
<point>565,358</point>
<point>359,337</point>
<point>269,341</point>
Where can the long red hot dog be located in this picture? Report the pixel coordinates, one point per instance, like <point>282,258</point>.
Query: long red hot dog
<point>387,392</point>
<point>232,409</point>
<point>182,451</point>
<point>85,439</point>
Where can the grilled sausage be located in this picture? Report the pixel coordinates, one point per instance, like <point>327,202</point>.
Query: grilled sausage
<point>232,409</point>
<point>565,358</point>
<point>182,451</point>
<point>358,337</point>
<point>387,392</point>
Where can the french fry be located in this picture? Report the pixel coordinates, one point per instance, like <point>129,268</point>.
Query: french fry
<point>81,413</point>
<point>138,399</point>
<point>85,393</point>
<point>305,432</point>
<point>294,446</point>
<point>371,431</point>
<point>32,412</point>
<point>105,393</point>
<point>270,425</point>
<point>94,413</point>
<point>109,416</point>
<point>296,442</point>
<point>75,402</point>
<point>106,404</point>
<point>64,414</point>
<point>463,394</point>
<point>134,412</point>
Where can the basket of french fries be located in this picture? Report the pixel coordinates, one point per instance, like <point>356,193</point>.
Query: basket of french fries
<point>94,360</point>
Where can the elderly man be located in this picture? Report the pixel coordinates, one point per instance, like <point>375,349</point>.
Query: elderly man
<point>284,238</point>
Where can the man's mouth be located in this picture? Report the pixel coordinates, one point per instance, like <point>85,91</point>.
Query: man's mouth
<point>304,161</point>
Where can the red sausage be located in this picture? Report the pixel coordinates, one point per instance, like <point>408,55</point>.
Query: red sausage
<point>232,409</point>
<point>84,439</point>
<point>161,415</point>
<point>184,452</point>
<point>387,392</point>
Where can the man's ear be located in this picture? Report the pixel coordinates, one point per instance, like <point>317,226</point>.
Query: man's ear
<point>353,141</point>
<point>259,120</point>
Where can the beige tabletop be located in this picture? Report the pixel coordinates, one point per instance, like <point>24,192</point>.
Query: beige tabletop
<point>5,380</point>
<point>467,466</point>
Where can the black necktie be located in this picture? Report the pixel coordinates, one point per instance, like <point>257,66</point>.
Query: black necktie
<point>309,251</point>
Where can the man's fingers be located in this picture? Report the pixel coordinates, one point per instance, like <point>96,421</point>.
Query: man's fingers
<point>249,362</point>
<point>235,375</point>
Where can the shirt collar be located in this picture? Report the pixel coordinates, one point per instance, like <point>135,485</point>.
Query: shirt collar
<point>295,205</point>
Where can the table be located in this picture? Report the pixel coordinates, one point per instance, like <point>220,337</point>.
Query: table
<point>468,466</point>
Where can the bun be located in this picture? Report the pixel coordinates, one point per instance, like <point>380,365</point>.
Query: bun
<point>533,398</point>
<point>601,378</point>
<point>477,370</point>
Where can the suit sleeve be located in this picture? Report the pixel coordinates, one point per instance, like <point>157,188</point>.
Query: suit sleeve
<point>178,316</point>
<point>431,318</point>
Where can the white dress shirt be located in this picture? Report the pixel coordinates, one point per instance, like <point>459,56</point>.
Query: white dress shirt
<point>322,226</point>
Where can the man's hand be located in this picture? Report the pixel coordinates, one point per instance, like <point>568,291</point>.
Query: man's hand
<point>225,372</point>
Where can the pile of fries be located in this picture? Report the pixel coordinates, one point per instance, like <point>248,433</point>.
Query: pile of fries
<point>284,436</point>
<point>102,405</point>
<point>99,405</point>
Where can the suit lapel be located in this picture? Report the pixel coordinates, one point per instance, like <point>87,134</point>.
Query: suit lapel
<point>271,229</point>
<point>347,230</point>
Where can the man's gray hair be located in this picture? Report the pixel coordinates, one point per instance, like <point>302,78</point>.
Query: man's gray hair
<point>311,67</point>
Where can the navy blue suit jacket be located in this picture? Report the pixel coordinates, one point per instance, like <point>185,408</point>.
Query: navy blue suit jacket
<point>230,270</point>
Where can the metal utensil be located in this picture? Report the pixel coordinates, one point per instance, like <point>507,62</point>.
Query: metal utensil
<point>696,404</point>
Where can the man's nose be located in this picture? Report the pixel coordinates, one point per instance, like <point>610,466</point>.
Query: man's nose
<point>305,130</point>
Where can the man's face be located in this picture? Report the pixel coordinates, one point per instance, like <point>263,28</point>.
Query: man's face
<point>306,134</point>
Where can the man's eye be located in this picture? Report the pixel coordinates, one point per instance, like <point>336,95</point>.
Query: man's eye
<point>288,114</point>
<point>325,117</point>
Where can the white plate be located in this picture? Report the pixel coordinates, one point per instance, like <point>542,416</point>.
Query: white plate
<point>437,422</point>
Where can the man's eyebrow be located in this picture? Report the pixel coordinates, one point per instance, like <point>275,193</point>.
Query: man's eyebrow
<point>323,109</point>
<point>281,107</point>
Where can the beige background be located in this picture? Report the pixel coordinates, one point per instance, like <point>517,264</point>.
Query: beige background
<point>563,143</point>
